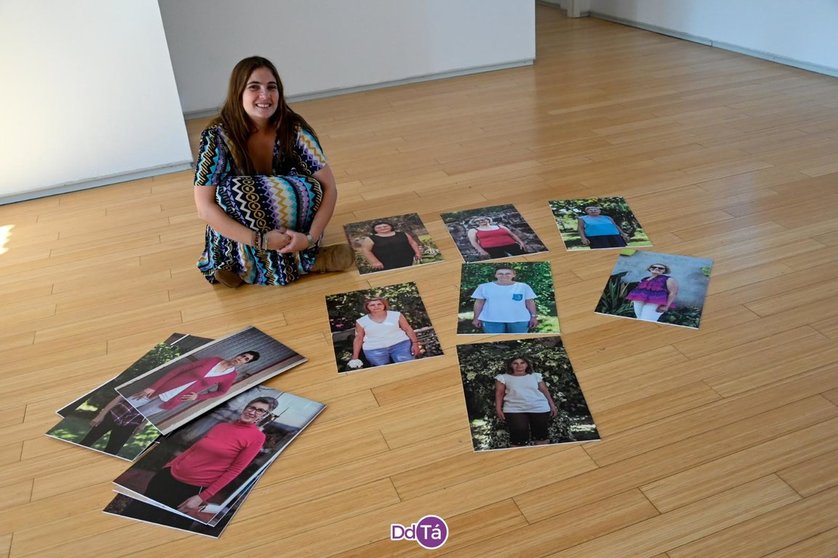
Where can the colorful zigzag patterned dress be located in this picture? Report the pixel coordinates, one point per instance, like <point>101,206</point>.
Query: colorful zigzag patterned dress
<point>290,198</point>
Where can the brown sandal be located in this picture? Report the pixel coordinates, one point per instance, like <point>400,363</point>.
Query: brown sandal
<point>228,278</point>
<point>337,257</point>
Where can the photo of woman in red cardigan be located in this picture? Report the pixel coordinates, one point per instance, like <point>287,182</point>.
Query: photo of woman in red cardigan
<point>202,379</point>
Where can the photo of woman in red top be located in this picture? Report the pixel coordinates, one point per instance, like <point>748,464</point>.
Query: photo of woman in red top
<point>192,478</point>
<point>199,380</point>
<point>494,241</point>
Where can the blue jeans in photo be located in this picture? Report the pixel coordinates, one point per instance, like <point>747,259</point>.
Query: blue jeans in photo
<point>506,327</point>
<point>400,352</point>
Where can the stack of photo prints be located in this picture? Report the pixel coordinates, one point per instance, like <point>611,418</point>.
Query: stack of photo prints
<point>201,430</point>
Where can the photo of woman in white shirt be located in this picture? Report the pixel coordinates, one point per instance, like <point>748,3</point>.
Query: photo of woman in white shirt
<point>504,305</point>
<point>383,335</point>
<point>523,402</point>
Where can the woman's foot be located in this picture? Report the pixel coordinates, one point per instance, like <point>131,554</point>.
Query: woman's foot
<point>228,278</point>
<point>337,257</point>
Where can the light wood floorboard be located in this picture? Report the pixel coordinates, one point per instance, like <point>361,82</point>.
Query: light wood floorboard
<point>716,442</point>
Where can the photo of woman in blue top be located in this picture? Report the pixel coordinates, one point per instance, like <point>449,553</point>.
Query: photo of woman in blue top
<point>600,231</point>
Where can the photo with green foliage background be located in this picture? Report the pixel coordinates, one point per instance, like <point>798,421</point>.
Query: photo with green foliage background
<point>481,362</point>
<point>345,308</point>
<point>409,223</point>
<point>566,213</point>
<point>538,275</point>
<point>77,417</point>
<point>692,276</point>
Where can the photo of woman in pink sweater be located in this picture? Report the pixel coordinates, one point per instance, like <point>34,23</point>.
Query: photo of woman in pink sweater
<point>188,481</point>
<point>199,380</point>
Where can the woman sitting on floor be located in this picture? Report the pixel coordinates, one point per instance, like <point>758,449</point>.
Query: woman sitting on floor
<point>263,187</point>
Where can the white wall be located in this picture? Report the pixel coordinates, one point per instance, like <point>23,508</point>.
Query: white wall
<point>328,46</point>
<point>801,33</point>
<point>573,8</point>
<point>87,96</point>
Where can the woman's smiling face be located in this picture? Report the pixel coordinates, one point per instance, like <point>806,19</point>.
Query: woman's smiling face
<point>374,306</point>
<point>254,412</point>
<point>261,95</point>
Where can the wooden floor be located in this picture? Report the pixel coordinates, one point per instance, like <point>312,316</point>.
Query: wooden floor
<point>718,442</point>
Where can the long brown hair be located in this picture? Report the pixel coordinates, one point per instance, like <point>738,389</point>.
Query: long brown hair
<point>237,123</point>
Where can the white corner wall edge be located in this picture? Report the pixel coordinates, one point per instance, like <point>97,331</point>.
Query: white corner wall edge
<point>798,34</point>
<point>93,100</point>
<point>803,65</point>
<point>572,8</point>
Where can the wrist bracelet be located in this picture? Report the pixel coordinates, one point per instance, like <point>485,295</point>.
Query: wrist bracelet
<point>311,241</point>
<point>260,240</point>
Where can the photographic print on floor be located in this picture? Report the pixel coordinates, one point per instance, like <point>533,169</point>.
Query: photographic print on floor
<point>212,459</point>
<point>175,393</point>
<point>124,506</point>
<point>597,223</point>
<point>489,233</point>
<point>664,288</point>
<point>507,297</point>
<point>391,243</point>
<point>103,421</point>
<point>523,392</point>
<point>380,326</point>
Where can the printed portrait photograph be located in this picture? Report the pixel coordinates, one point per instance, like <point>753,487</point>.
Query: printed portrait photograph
<point>523,393</point>
<point>217,517</point>
<point>201,468</point>
<point>507,297</point>
<point>379,327</point>
<point>652,287</point>
<point>597,223</point>
<point>175,393</point>
<point>490,233</point>
<point>103,421</point>
<point>391,243</point>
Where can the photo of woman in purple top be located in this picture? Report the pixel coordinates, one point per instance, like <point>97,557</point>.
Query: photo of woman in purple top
<point>655,294</point>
